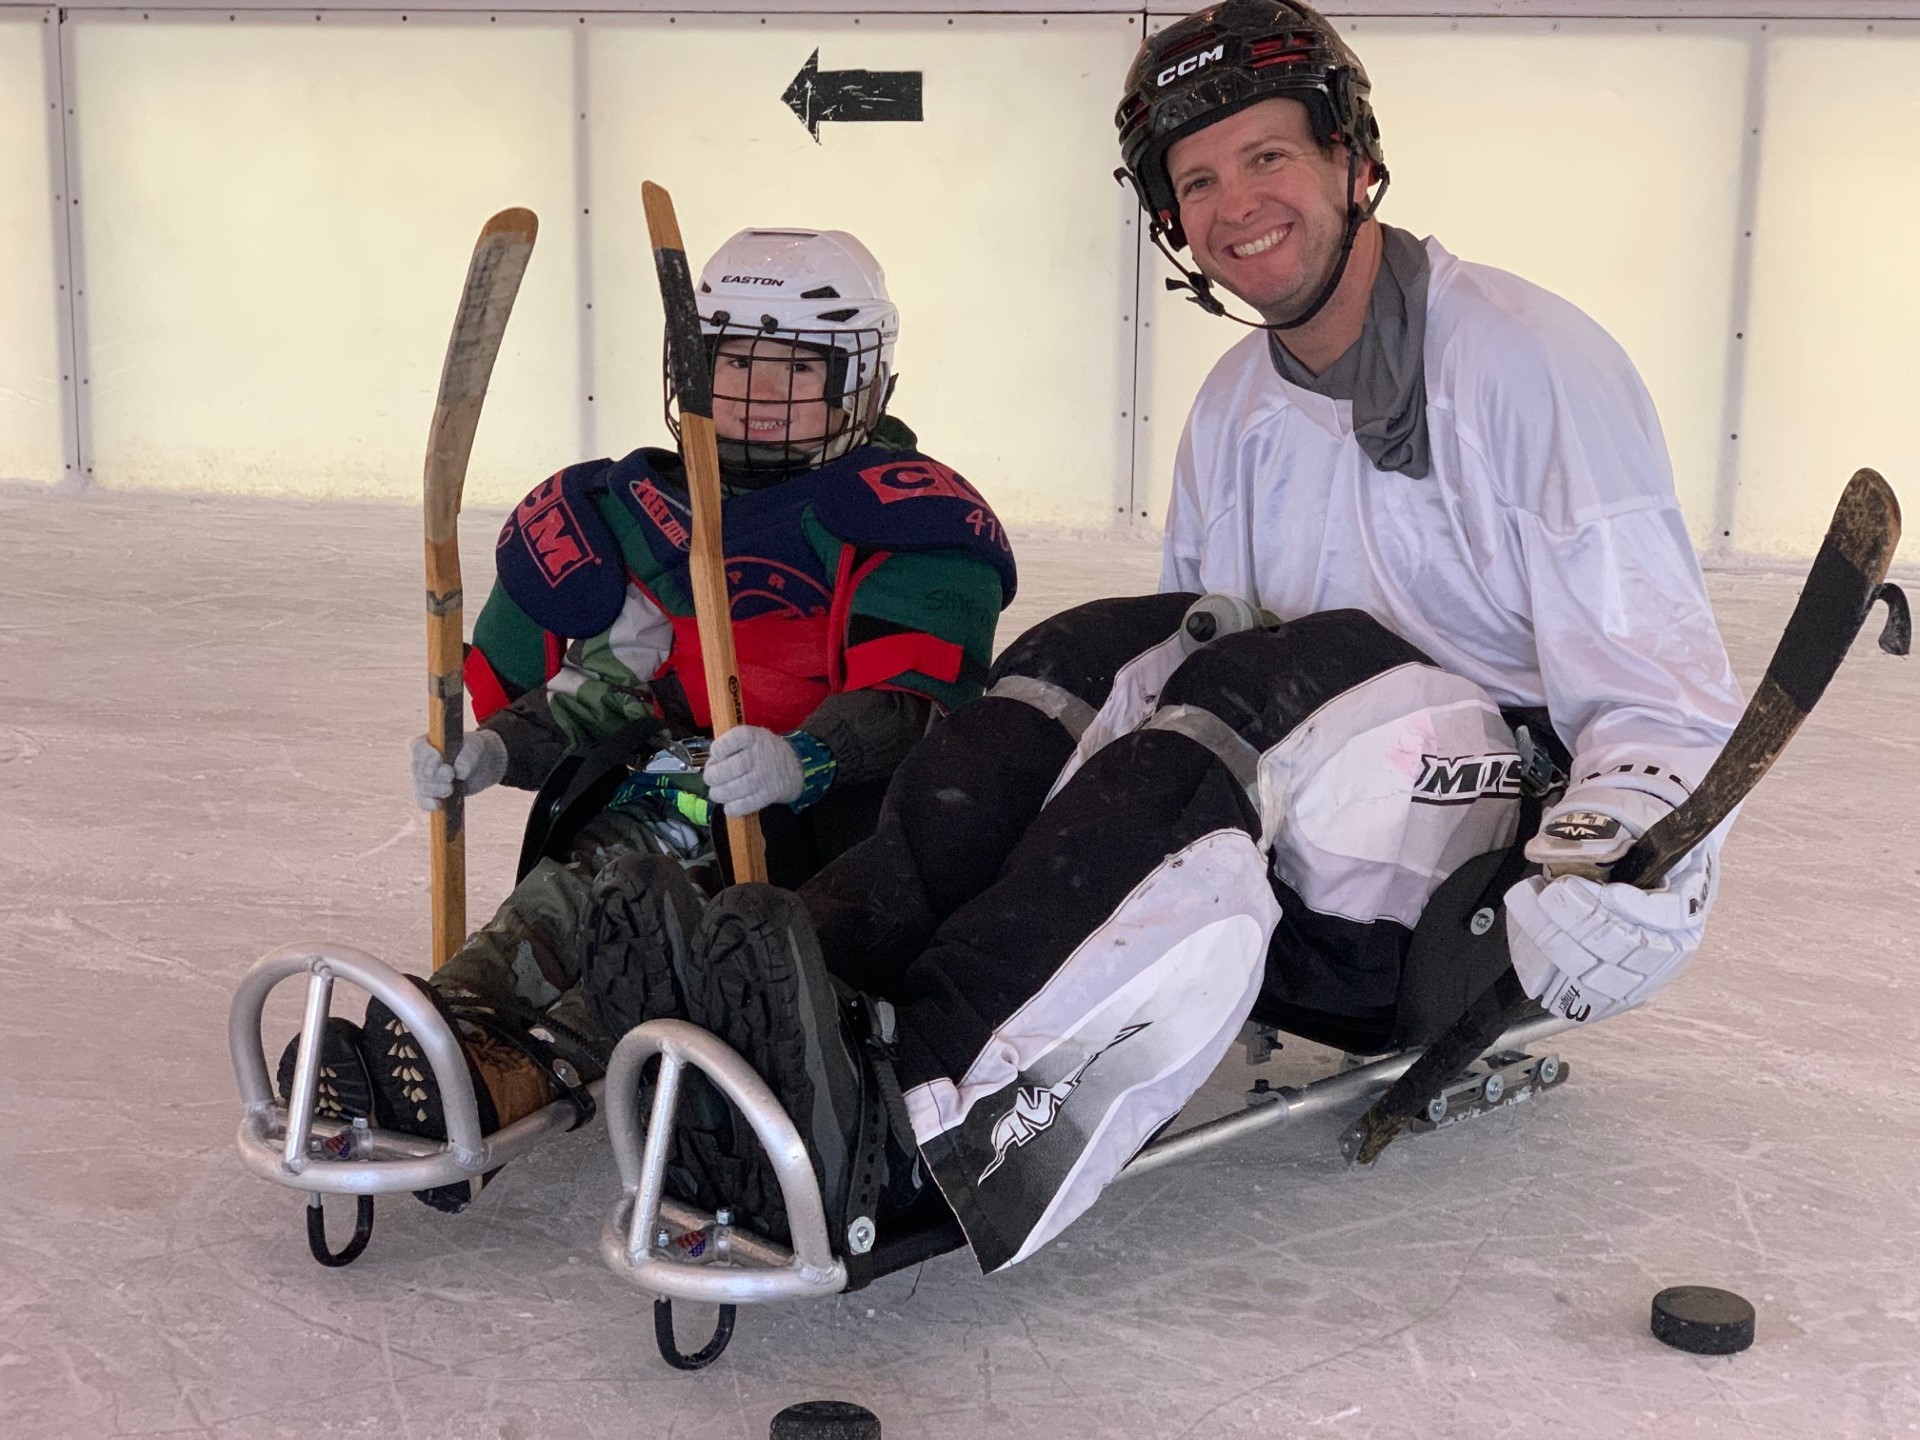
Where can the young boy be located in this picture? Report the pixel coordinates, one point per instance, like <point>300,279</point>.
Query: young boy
<point>865,581</point>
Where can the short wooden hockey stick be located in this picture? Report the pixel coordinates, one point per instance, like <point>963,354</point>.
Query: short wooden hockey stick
<point>712,606</point>
<point>1847,577</point>
<point>493,280</point>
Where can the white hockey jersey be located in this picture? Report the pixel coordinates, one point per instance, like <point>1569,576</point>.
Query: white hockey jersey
<point>1544,556</point>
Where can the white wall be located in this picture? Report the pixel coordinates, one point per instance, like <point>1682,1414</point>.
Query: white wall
<point>1832,374</point>
<point>1008,253</point>
<point>277,217</point>
<point>275,213</point>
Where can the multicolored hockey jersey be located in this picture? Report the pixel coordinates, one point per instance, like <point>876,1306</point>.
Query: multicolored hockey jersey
<point>883,569</point>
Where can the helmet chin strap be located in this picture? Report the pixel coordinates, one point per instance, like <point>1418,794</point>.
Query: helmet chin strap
<point>1202,288</point>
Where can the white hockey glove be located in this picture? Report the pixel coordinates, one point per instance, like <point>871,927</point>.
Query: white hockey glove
<point>481,762</point>
<point>749,768</point>
<point>1586,949</point>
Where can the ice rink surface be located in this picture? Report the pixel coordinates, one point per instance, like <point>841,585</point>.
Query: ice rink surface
<point>203,756</point>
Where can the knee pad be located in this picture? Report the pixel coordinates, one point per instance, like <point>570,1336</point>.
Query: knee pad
<point>1081,650</point>
<point>1265,682</point>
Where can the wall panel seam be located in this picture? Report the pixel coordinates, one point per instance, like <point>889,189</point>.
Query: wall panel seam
<point>69,271</point>
<point>585,333</point>
<point>1726,482</point>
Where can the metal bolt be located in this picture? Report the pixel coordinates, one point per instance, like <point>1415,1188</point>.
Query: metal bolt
<point>1437,1109</point>
<point>1494,1089</point>
<point>723,1216</point>
<point>860,1235</point>
<point>1482,920</point>
<point>661,1239</point>
<point>1549,1070</point>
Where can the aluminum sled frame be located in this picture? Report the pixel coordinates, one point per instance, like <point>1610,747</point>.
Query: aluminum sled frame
<point>676,1252</point>
<point>288,1145</point>
<point>669,1249</point>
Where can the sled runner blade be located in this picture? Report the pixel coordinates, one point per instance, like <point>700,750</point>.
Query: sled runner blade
<point>712,606</point>
<point>493,280</point>
<point>1846,578</point>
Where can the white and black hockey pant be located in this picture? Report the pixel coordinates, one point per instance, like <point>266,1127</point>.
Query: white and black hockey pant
<point>1082,883</point>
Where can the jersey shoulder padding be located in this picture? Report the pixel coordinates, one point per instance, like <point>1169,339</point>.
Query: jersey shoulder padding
<point>903,500</point>
<point>557,557</point>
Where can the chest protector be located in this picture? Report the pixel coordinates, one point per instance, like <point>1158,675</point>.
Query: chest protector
<point>559,560</point>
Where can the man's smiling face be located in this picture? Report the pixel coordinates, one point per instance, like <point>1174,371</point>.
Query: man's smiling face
<point>1264,207</point>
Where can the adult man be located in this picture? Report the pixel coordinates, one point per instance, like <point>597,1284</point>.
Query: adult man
<point>866,580</point>
<point>1462,455</point>
<point>1452,488</point>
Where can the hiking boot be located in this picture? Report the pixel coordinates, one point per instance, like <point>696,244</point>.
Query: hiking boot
<point>640,923</point>
<point>639,952</point>
<point>761,985</point>
<point>519,1061</point>
<point>346,1090</point>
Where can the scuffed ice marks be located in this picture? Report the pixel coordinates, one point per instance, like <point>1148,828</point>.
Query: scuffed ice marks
<point>17,745</point>
<point>1754,1129</point>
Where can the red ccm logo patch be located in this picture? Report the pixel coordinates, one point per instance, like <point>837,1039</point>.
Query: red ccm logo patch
<point>912,479</point>
<point>553,536</point>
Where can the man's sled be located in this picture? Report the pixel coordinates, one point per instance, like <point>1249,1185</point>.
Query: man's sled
<point>677,1252</point>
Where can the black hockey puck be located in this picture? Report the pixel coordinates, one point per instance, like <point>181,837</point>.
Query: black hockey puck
<point>826,1420</point>
<point>1702,1320</point>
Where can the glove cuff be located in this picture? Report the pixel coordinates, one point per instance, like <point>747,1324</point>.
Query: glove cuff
<point>817,767</point>
<point>1648,778</point>
<point>1594,824</point>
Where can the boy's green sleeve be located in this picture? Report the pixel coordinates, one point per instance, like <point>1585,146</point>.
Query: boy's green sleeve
<point>923,621</point>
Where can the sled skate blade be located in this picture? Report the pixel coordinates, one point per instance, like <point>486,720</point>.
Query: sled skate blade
<point>1506,1077</point>
<point>292,1146</point>
<point>1334,1094</point>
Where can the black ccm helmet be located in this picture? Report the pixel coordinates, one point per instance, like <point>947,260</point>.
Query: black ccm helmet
<point>1223,59</point>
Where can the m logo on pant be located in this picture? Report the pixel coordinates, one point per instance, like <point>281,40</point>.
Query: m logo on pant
<point>1035,1109</point>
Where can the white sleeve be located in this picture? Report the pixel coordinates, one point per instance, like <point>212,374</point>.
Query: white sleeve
<point>1186,521</point>
<point>1630,658</point>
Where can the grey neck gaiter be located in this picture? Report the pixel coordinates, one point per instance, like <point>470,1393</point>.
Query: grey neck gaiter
<point>1383,372</point>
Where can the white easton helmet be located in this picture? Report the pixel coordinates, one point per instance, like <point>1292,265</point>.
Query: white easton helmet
<point>821,289</point>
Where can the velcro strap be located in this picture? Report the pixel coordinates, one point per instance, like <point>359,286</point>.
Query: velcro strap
<point>883,1114</point>
<point>1051,700</point>
<point>1208,729</point>
<point>513,1023</point>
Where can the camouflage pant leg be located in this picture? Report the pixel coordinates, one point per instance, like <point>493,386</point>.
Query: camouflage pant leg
<point>535,946</point>
<point>531,947</point>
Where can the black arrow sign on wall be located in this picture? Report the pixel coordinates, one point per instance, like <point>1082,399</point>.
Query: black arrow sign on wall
<point>817,95</point>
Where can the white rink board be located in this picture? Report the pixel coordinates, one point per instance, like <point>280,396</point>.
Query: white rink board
<point>275,212</point>
<point>1833,377</point>
<point>277,222</point>
<point>1548,149</point>
<point>1006,244</point>
<point>31,446</point>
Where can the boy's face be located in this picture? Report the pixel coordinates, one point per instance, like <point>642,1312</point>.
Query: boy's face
<point>772,392</point>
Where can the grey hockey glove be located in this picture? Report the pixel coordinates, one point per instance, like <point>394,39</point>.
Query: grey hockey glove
<point>1587,949</point>
<point>481,762</point>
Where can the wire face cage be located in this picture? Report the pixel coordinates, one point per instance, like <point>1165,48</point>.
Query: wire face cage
<point>786,400</point>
